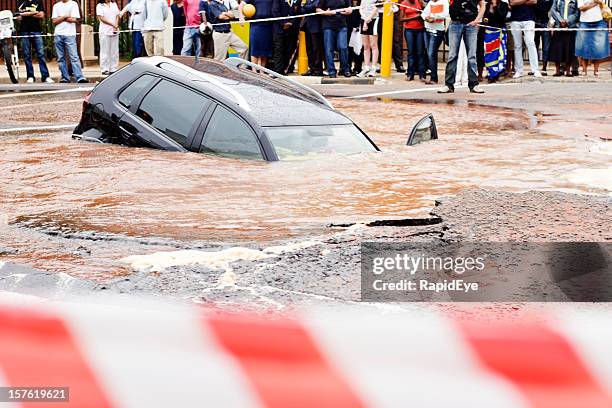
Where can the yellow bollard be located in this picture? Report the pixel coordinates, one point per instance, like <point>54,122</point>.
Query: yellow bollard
<point>302,54</point>
<point>387,40</point>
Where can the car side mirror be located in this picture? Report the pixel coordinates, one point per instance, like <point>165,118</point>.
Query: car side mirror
<point>424,130</point>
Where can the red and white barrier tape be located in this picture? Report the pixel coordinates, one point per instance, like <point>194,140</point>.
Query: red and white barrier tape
<point>167,357</point>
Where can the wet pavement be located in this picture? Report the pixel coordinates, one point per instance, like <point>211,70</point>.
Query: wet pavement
<point>288,233</point>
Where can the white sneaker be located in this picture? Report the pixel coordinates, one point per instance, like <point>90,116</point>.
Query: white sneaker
<point>517,75</point>
<point>364,72</point>
<point>49,81</point>
<point>30,80</point>
<point>372,73</point>
<point>537,74</point>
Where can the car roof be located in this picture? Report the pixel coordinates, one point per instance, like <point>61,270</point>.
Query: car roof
<point>271,101</point>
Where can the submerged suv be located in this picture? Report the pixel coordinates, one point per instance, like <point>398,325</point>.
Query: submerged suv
<point>234,108</point>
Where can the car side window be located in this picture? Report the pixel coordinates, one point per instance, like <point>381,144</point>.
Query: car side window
<point>228,135</point>
<point>131,92</point>
<point>172,109</point>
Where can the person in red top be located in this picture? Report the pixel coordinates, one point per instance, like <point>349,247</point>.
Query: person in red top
<point>414,31</point>
<point>191,35</point>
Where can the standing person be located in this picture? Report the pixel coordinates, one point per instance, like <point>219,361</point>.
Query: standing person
<point>565,14</point>
<point>593,43</point>
<point>136,10</point>
<point>223,37</point>
<point>542,12</point>
<point>414,29</point>
<point>480,52</point>
<point>191,33</point>
<point>461,74</point>
<point>434,14</point>
<point>522,24</point>
<point>178,20</point>
<point>284,33</point>
<point>155,13</point>
<point>465,17</point>
<point>108,16</point>
<point>260,33</point>
<point>397,51</point>
<point>335,33</point>
<point>510,49</point>
<point>495,51</point>
<point>31,13</point>
<point>355,43</point>
<point>64,16</point>
<point>370,19</point>
<point>208,48</point>
<point>314,39</point>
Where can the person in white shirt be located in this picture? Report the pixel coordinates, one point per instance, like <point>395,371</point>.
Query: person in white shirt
<point>108,16</point>
<point>136,10</point>
<point>434,14</point>
<point>592,41</point>
<point>368,27</point>
<point>155,14</point>
<point>65,15</point>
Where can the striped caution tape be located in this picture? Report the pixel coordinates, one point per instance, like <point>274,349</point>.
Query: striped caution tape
<point>353,8</point>
<point>164,356</point>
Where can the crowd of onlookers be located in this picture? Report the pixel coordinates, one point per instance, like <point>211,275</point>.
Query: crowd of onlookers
<point>475,31</point>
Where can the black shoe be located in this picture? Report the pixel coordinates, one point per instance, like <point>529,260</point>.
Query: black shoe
<point>64,81</point>
<point>400,69</point>
<point>307,73</point>
<point>83,81</point>
<point>105,73</point>
<point>347,74</point>
<point>332,76</point>
<point>409,77</point>
<point>318,73</point>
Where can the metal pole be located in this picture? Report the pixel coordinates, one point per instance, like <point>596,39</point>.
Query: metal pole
<point>302,54</point>
<point>387,40</point>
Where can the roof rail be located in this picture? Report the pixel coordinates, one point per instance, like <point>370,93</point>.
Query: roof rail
<point>237,62</point>
<point>158,60</point>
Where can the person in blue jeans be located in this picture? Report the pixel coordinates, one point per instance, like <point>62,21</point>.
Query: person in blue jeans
<point>434,14</point>
<point>414,31</point>
<point>335,33</point>
<point>465,17</point>
<point>31,13</point>
<point>65,16</point>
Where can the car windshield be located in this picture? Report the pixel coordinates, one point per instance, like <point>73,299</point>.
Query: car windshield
<point>309,141</point>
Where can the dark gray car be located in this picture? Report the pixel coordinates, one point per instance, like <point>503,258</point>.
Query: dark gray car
<point>234,109</point>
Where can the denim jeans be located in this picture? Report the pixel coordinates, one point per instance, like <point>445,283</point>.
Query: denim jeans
<point>40,54</point>
<point>415,42</point>
<point>520,30</point>
<point>191,36</point>
<point>544,38</point>
<point>67,44</point>
<point>336,40</point>
<point>137,44</point>
<point>432,44</point>
<point>469,34</point>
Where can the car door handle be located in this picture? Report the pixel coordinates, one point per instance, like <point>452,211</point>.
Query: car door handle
<point>125,131</point>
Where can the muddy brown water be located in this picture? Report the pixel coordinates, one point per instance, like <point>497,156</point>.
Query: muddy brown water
<point>53,185</point>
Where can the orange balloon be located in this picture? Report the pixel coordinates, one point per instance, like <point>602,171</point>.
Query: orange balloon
<point>248,10</point>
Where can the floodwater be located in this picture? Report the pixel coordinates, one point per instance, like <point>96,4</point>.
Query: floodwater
<point>53,186</point>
